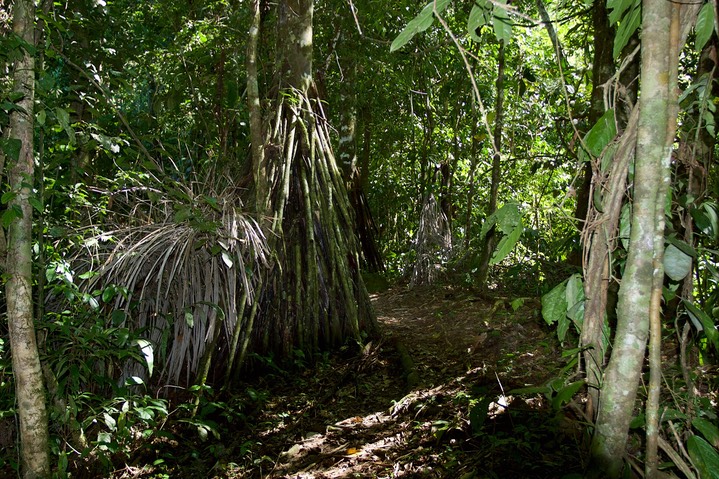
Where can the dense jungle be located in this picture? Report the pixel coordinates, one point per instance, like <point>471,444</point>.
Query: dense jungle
<point>356,238</point>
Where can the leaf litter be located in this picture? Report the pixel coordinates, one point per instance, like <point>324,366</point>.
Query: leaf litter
<point>353,415</point>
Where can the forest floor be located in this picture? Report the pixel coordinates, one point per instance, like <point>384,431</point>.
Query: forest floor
<point>431,399</point>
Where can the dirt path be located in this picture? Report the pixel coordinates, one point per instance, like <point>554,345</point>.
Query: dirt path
<point>357,417</point>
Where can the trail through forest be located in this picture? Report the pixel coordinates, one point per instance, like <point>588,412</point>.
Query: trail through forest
<point>430,399</point>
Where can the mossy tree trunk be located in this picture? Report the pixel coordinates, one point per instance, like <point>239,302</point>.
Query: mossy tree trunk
<point>314,297</point>
<point>29,387</point>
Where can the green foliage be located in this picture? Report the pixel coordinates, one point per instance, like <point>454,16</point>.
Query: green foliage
<point>501,22</point>
<point>704,26</point>
<point>677,264</point>
<point>627,14</point>
<point>418,24</point>
<point>703,323</point>
<point>601,133</point>
<point>704,457</point>
<point>508,220</point>
<point>564,305</point>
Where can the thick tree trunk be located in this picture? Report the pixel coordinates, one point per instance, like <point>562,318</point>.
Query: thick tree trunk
<point>29,388</point>
<point>314,296</point>
<point>640,292</point>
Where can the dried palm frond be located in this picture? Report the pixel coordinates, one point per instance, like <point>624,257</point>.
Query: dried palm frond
<point>189,270</point>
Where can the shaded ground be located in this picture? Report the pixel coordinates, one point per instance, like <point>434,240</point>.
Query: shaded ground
<point>357,417</point>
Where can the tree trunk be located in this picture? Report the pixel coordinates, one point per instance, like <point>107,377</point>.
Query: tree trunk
<point>599,227</point>
<point>490,240</point>
<point>29,388</point>
<point>353,172</point>
<point>314,297</point>
<point>640,292</point>
<point>602,71</point>
<point>259,175</point>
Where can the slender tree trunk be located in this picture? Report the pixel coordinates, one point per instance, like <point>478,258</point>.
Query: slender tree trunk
<point>347,147</point>
<point>351,170</point>
<point>29,388</point>
<point>259,172</point>
<point>491,239</point>
<point>472,184</point>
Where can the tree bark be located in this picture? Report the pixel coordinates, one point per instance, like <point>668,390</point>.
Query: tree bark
<point>599,228</point>
<point>259,172</point>
<point>29,388</point>
<point>640,292</point>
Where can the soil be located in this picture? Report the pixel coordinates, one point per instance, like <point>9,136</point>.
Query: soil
<point>433,398</point>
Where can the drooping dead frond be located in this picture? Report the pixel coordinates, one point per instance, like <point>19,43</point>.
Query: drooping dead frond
<point>433,242</point>
<point>188,277</point>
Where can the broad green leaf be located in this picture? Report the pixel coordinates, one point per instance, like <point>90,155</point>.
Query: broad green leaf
<point>708,429</point>
<point>478,17</point>
<point>189,319</point>
<point>704,457</point>
<point>118,317</point>
<point>517,303</point>
<point>147,352</point>
<point>508,217</point>
<point>554,304</point>
<point>704,26</point>
<point>131,381</point>
<point>506,244</point>
<point>709,123</point>
<point>501,22</point>
<point>707,220</point>
<point>575,290</point>
<point>625,225</point>
<point>682,245</point>
<point>563,327</point>
<point>618,7</point>
<point>576,314</point>
<point>7,197</point>
<point>63,117</point>
<point>36,203</point>
<point>418,24</point>
<point>41,117</point>
<point>677,264</point>
<point>108,293</point>
<point>703,322</point>
<point>629,24</point>
<point>11,147</point>
<point>565,394</point>
<point>110,422</point>
<point>487,225</point>
<point>601,133</point>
